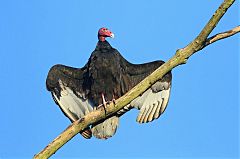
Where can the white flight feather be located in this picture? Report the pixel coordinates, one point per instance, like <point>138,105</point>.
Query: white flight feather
<point>151,104</point>
<point>70,103</point>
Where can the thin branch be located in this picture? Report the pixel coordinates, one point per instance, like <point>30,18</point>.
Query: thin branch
<point>179,58</point>
<point>222,35</point>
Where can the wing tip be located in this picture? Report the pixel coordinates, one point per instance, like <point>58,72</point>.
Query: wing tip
<point>87,134</point>
<point>154,111</point>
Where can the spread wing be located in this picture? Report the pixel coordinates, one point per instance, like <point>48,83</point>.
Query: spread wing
<point>154,100</point>
<point>69,91</point>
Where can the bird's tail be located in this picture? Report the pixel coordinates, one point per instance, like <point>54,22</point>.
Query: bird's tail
<point>106,129</point>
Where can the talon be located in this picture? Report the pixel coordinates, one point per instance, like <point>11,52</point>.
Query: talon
<point>114,101</point>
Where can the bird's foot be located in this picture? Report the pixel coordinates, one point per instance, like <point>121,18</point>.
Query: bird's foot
<point>105,103</point>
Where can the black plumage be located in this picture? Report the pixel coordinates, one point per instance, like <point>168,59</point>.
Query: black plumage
<point>78,90</point>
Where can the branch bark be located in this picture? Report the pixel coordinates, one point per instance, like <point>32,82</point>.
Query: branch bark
<point>222,35</point>
<point>179,58</point>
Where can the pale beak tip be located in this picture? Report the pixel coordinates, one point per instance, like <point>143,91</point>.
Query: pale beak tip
<point>112,35</point>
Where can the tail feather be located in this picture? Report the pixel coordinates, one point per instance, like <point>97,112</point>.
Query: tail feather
<point>106,129</point>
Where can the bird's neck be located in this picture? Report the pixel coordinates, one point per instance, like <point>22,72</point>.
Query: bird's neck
<point>103,45</point>
<point>101,38</point>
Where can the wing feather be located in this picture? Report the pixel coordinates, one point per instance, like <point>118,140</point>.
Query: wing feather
<point>73,106</point>
<point>66,85</point>
<point>157,112</point>
<point>151,115</point>
<point>152,103</point>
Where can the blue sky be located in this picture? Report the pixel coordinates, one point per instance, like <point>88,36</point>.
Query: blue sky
<point>202,118</point>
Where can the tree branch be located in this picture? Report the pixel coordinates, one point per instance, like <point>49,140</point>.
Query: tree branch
<point>222,35</point>
<point>179,58</point>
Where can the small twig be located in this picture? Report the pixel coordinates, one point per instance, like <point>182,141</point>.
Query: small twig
<point>222,35</point>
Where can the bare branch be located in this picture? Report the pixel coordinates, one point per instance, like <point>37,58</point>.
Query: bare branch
<point>179,58</point>
<point>222,35</point>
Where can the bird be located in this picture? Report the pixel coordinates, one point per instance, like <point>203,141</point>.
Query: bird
<point>104,78</point>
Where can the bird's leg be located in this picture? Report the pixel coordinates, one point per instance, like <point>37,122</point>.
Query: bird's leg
<point>107,102</point>
<point>113,100</point>
<point>104,103</point>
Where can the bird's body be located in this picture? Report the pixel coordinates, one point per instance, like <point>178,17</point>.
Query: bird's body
<point>78,91</point>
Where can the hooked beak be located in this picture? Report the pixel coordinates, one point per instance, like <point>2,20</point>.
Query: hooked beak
<point>111,35</point>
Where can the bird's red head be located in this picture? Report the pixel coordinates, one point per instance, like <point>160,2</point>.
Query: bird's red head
<point>103,33</point>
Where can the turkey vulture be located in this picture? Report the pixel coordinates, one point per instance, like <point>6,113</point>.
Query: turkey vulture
<point>106,76</point>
